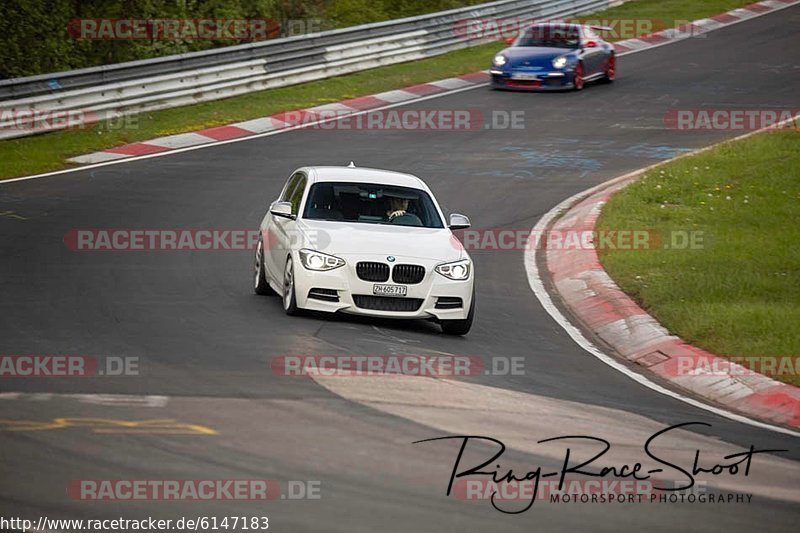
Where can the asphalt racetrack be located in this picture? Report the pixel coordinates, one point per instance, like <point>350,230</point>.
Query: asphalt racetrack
<point>205,341</point>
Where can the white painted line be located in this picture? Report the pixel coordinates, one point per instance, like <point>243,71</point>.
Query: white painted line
<point>536,284</point>
<point>260,135</point>
<point>231,141</point>
<point>544,298</point>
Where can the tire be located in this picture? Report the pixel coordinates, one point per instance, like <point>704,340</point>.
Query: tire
<point>289,297</point>
<point>611,69</point>
<point>261,287</point>
<point>578,82</point>
<point>460,327</point>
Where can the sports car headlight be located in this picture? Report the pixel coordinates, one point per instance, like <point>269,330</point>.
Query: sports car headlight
<point>457,270</point>
<point>560,62</point>
<point>499,60</point>
<point>313,260</point>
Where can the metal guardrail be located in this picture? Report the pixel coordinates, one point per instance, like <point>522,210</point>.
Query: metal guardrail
<point>127,88</point>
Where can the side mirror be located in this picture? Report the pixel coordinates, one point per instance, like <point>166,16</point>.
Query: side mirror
<point>458,221</point>
<point>590,44</point>
<point>510,40</point>
<point>282,209</point>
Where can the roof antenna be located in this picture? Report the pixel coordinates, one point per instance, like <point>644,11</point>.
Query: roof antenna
<point>351,165</point>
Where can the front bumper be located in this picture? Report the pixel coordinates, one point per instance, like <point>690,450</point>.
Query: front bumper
<point>545,80</point>
<point>432,290</point>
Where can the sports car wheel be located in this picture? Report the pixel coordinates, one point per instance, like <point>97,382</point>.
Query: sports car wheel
<point>289,300</point>
<point>611,69</point>
<point>578,80</point>
<point>261,285</point>
<point>460,327</point>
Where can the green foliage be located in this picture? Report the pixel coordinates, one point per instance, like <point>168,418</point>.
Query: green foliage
<point>36,39</point>
<point>739,292</point>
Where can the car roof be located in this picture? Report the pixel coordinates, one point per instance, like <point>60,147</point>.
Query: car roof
<point>364,175</point>
<point>555,23</point>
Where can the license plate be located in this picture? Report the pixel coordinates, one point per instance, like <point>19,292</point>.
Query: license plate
<point>389,290</point>
<point>523,76</point>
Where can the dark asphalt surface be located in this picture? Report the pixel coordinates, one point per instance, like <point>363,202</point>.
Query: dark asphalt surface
<point>206,341</point>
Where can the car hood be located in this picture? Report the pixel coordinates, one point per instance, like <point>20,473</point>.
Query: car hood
<point>536,55</point>
<point>348,239</point>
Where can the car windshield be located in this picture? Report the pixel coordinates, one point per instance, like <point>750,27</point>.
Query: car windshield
<point>371,204</point>
<point>550,36</point>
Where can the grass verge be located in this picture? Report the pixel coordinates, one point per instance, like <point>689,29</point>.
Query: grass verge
<point>44,153</point>
<point>738,293</point>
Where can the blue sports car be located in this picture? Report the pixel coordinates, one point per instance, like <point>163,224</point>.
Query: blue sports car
<point>554,56</point>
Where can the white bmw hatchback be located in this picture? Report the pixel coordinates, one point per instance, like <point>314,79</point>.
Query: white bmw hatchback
<point>367,242</point>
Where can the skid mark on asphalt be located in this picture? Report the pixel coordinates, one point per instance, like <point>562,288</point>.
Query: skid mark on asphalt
<point>531,158</point>
<point>106,400</point>
<point>582,157</point>
<point>521,419</point>
<point>12,214</point>
<point>387,335</point>
<point>654,152</point>
<point>166,426</point>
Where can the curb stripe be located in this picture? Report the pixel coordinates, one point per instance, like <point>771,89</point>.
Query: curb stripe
<point>424,89</point>
<point>137,149</point>
<point>596,301</point>
<point>179,141</point>
<point>365,103</point>
<point>223,133</point>
<point>264,126</point>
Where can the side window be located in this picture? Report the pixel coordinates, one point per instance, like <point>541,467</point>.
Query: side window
<point>297,194</point>
<point>290,187</point>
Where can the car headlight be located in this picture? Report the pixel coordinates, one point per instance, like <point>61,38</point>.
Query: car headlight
<point>560,62</point>
<point>313,260</point>
<point>457,270</point>
<point>499,60</point>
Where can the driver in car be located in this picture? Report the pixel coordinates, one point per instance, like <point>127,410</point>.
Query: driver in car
<point>398,212</point>
<point>397,208</point>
